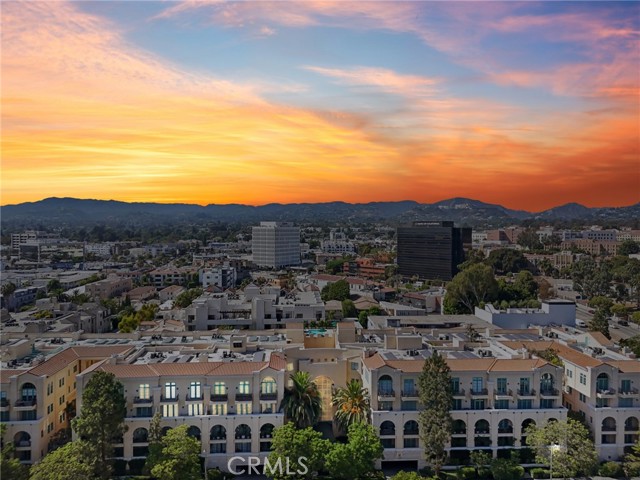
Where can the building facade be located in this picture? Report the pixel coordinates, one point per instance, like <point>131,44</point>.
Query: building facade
<point>275,244</point>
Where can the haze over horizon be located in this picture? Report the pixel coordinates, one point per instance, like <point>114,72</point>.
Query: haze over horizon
<point>522,104</point>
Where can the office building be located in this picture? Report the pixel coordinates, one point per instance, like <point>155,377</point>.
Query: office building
<point>431,250</point>
<point>276,244</point>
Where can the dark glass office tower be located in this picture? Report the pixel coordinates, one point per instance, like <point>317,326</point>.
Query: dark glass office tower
<point>432,250</point>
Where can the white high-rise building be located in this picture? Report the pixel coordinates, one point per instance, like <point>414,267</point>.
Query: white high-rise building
<point>276,244</point>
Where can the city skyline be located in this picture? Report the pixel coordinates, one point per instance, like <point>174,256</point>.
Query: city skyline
<point>526,105</point>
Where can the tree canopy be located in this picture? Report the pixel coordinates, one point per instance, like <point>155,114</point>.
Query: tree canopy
<point>101,420</point>
<point>292,443</point>
<point>68,461</point>
<point>357,457</point>
<point>469,288</point>
<point>335,291</point>
<point>180,458</point>
<point>11,467</point>
<point>508,260</point>
<point>352,404</point>
<point>301,402</point>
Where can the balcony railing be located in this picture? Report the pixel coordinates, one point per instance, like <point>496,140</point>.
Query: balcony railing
<point>505,430</point>
<point>459,432</point>
<point>410,393</point>
<point>605,392</point>
<point>143,400</point>
<point>244,396</point>
<point>26,402</point>
<point>549,392</point>
<point>479,391</point>
<point>504,393</point>
<point>526,392</point>
<point>628,392</point>
<point>195,397</point>
<point>170,399</point>
<point>386,394</point>
<point>4,402</point>
<point>482,432</point>
<point>268,395</point>
<point>459,392</point>
<point>219,397</point>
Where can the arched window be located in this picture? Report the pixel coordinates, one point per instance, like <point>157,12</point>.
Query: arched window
<point>459,427</point>
<point>218,432</point>
<point>411,428</point>
<point>266,430</point>
<point>609,424</point>
<point>385,385</point>
<point>546,383</point>
<point>165,430</point>
<point>22,439</point>
<point>28,392</point>
<point>194,432</point>
<point>387,428</point>
<point>631,424</point>
<point>602,382</point>
<point>482,427</point>
<point>505,426</point>
<point>525,424</point>
<point>140,435</point>
<point>268,385</point>
<point>243,431</point>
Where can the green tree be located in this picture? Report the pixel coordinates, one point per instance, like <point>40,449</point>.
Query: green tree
<point>357,458</point>
<point>8,288</point>
<point>301,402</point>
<point>526,285</point>
<point>349,309</point>
<point>632,461</point>
<point>628,247</point>
<point>480,459</point>
<point>290,442</point>
<point>601,302</point>
<point>66,462</point>
<point>530,240</point>
<point>576,453</point>
<point>187,297</point>
<point>101,419</point>
<point>633,343</point>
<point>507,260</point>
<point>470,288</point>
<point>180,458</point>
<point>155,442</point>
<point>600,323</point>
<point>589,278</point>
<point>335,291</point>
<point>620,310</point>
<point>402,475</point>
<point>352,404</point>
<point>435,420</point>
<point>11,467</point>
<point>54,285</point>
<point>506,469</point>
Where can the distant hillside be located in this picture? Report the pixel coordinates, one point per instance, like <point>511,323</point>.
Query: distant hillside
<point>73,212</point>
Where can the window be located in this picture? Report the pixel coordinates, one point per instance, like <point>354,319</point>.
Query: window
<point>477,384</point>
<point>244,387</point>
<point>524,404</point>
<point>502,404</point>
<point>61,382</point>
<point>410,405</point>
<point>625,386</point>
<point>583,379</point>
<point>546,403</point>
<point>354,366</point>
<point>195,390</point>
<point>625,403</point>
<point>61,400</point>
<point>569,373</point>
<point>218,448</point>
<point>144,412</point>
<point>385,406</point>
<point>268,386</point>
<point>170,390</point>
<point>477,404</point>
<point>170,409</point>
<point>582,397</point>
<point>457,404</point>
<point>408,386</point>
<point>244,408</point>
<point>219,409</point>
<point>410,443</point>
<point>268,407</point>
<point>4,416</point>
<point>144,392</point>
<point>195,409</point>
<point>219,388</point>
<point>502,386</point>
<point>455,385</point>
<point>28,415</point>
<point>524,386</point>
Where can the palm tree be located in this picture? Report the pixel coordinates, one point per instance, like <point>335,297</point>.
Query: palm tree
<point>353,404</point>
<point>302,404</point>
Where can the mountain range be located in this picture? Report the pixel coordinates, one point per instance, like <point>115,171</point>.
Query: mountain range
<point>72,211</point>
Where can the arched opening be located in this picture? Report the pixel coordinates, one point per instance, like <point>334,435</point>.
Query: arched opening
<point>218,432</point>
<point>22,439</point>
<point>525,425</point>
<point>266,430</point>
<point>325,389</point>
<point>459,427</point>
<point>411,428</point>
<point>385,386</point>
<point>165,430</point>
<point>631,424</point>
<point>505,426</point>
<point>482,427</point>
<point>547,384</point>
<point>140,435</point>
<point>194,432</point>
<point>388,433</point>
<point>268,385</point>
<point>27,395</point>
<point>602,383</point>
<point>609,424</point>
<point>243,431</point>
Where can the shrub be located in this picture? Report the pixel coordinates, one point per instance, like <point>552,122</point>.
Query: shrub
<point>136,465</point>
<point>503,469</point>
<point>539,473</point>
<point>484,473</point>
<point>468,473</point>
<point>611,469</point>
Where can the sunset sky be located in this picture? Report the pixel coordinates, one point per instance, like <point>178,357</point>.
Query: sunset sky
<point>530,105</point>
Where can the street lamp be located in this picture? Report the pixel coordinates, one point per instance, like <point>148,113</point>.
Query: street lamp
<point>204,463</point>
<point>552,448</point>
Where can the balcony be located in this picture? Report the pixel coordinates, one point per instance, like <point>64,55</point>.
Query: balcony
<point>480,392</point>
<point>387,432</point>
<point>549,392</point>
<point>4,402</point>
<point>244,397</point>
<point>462,433</point>
<point>413,394</point>
<point>459,393</point>
<point>628,393</point>
<point>23,444</point>
<point>268,396</point>
<point>605,393</point>
<point>386,394</point>
<point>140,400</point>
<point>169,399</point>
<point>504,394</point>
<point>526,392</point>
<point>219,397</point>
<point>608,428</point>
<point>196,398</point>
<point>26,404</point>
<point>482,432</point>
